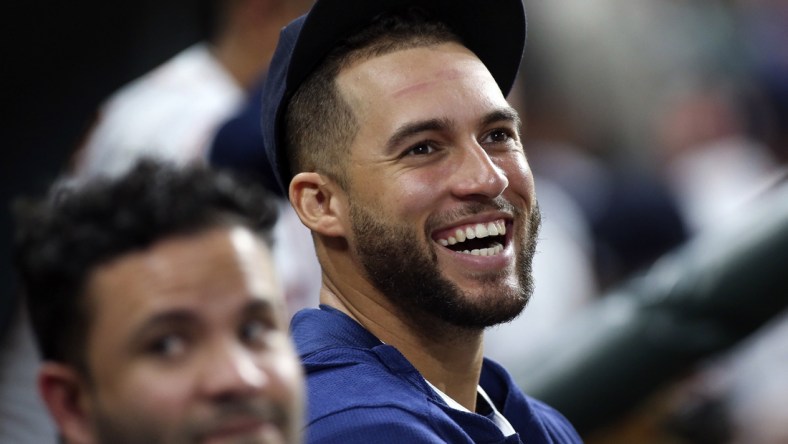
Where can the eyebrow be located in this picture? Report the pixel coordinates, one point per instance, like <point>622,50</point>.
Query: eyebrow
<point>186,317</point>
<point>260,304</point>
<point>267,308</point>
<point>507,114</point>
<point>504,114</point>
<point>173,317</point>
<point>412,128</point>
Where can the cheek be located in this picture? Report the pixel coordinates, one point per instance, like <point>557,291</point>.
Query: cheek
<point>521,179</point>
<point>127,384</point>
<point>286,378</point>
<point>145,392</point>
<point>417,191</point>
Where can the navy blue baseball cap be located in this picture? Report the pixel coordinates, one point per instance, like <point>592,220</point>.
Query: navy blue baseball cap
<point>494,30</point>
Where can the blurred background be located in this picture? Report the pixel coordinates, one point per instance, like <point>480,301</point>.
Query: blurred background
<point>658,134</point>
<point>664,123</point>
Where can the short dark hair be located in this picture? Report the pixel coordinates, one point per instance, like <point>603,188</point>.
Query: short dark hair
<point>318,115</point>
<point>61,239</point>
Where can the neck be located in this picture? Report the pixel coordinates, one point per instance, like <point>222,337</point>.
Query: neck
<point>447,356</point>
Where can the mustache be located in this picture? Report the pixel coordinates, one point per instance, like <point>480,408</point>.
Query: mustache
<point>235,410</point>
<point>472,208</point>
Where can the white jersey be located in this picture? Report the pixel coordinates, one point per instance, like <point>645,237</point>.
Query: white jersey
<point>170,113</point>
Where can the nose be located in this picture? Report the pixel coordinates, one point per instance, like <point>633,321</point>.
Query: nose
<point>232,371</point>
<point>478,175</point>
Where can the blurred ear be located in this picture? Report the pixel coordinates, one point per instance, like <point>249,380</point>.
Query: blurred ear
<point>65,394</point>
<point>320,203</point>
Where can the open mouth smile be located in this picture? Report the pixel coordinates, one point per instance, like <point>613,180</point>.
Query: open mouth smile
<point>479,239</point>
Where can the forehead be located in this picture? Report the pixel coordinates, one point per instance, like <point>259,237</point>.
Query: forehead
<point>204,272</point>
<point>446,70</point>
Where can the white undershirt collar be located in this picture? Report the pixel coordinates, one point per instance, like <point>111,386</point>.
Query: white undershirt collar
<point>498,418</point>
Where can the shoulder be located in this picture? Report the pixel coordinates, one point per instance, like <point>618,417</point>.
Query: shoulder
<point>387,424</point>
<point>356,392</point>
<point>554,424</point>
<point>353,396</point>
<point>345,378</point>
<point>534,420</point>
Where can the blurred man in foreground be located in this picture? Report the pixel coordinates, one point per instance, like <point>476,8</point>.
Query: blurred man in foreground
<point>154,301</point>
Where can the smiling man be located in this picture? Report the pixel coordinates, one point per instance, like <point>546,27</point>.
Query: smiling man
<point>158,313</point>
<point>388,126</point>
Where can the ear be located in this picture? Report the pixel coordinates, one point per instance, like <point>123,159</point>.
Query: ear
<point>65,394</point>
<point>320,203</point>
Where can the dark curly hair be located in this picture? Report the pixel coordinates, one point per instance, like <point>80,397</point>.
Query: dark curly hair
<point>63,238</point>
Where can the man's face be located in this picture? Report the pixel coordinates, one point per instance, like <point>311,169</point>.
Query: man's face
<point>443,213</point>
<point>188,344</point>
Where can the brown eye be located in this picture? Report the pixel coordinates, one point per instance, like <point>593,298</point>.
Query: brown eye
<point>169,346</point>
<point>254,331</point>
<point>420,150</point>
<point>499,136</point>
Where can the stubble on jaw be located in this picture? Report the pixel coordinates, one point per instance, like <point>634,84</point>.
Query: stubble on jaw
<point>407,274</point>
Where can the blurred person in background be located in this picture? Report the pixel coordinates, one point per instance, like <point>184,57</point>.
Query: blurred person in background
<point>585,127</point>
<point>724,147</point>
<point>712,164</point>
<point>157,310</point>
<point>708,77</point>
<point>173,112</point>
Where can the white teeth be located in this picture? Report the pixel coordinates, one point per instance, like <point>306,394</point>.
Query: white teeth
<point>470,233</point>
<point>478,231</point>
<point>492,251</point>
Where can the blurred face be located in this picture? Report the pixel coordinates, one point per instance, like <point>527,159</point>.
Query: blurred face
<point>441,196</point>
<point>188,344</point>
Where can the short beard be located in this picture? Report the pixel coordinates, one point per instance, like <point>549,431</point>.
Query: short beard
<point>407,274</point>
